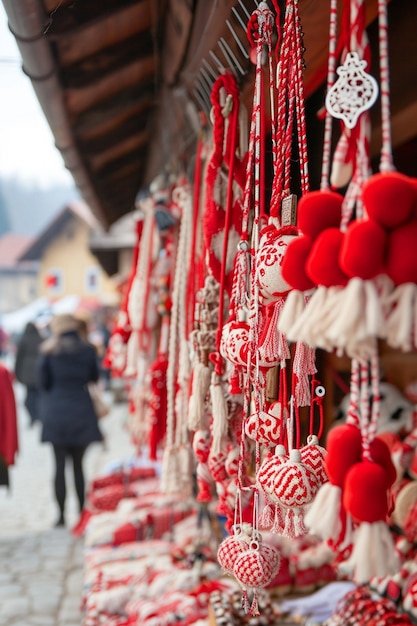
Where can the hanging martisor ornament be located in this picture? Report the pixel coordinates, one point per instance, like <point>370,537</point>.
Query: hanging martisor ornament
<point>177,457</point>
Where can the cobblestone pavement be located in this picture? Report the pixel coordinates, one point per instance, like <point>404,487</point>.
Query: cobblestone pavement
<point>41,571</point>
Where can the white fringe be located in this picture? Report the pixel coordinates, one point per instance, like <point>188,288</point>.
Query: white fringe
<point>197,414</point>
<point>219,410</point>
<point>373,553</point>
<point>293,308</point>
<point>323,516</point>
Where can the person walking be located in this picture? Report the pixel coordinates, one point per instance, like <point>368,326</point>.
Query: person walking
<point>66,365</point>
<point>25,368</point>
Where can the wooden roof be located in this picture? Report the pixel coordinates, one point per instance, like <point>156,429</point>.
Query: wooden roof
<point>122,82</point>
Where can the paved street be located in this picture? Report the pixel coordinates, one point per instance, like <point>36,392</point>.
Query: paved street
<point>41,566</point>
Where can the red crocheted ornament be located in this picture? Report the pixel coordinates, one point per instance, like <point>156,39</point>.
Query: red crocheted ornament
<point>401,260</point>
<point>389,198</point>
<point>319,210</point>
<point>363,250</point>
<point>323,261</point>
<point>294,263</point>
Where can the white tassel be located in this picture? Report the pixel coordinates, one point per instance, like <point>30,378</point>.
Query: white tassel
<point>170,471</point>
<point>132,354</point>
<point>323,516</point>
<point>348,315</point>
<point>186,466</point>
<point>219,410</point>
<point>399,325</point>
<point>297,332</point>
<point>373,553</point>
<point>294,305</point>
<point>197,414</point>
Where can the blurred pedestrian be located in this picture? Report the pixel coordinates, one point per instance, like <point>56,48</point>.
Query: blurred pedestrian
<point>8,424</point>
<point>25,368</point>
<point>67,363</point>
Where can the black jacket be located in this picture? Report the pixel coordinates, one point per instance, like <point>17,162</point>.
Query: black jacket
<point>26,356</point>
<point>65,367</point>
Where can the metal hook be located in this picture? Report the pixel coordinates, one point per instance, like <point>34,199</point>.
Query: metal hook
<point>244,10</point>
<point>228,59</point>
<point>236,38</point>
<point>208,78</point>
<point>205,88</point>
<point>217,61</point>
<point>210,69</point>
<point>233,56</point>
<point>201,97</point>
<point>200,100</point>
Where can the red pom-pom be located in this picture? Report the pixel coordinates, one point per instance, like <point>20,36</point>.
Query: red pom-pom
<point>363,250</point>
<point>401,261</point>
<point>365,492</point>
<point>389,198</point>
<point>323,261</point>
<point>294,262</point>
<point>318,210</point>
<point>344,449</point>
<point>380,453</point>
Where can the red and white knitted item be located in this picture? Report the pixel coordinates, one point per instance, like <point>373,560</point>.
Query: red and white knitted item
<point>295,486</point>
<point>233,546</point>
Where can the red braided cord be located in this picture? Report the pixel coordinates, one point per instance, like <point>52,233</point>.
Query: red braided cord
<point>192,274</point>
<point>386,163</point>
<point>228,82</point>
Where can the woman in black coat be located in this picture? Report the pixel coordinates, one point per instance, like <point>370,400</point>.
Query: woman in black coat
<point>65,366</point>
<point>25,368</point>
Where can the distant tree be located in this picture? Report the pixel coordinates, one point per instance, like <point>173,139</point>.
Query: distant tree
<point>5,225</point>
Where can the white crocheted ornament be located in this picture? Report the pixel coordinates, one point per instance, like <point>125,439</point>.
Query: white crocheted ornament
<point>314,455</point>
<point>295,485</point>
<point>234,545</point>
<point>272,247</point>
<point>257,566</point>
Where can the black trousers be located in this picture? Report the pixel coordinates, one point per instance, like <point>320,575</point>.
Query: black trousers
<point>76,453</point>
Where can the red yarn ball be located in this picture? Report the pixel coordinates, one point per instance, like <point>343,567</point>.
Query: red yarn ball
<point>344,449</point>
<point>401,261</point>
<point>318,210</point>
<point>363,250</point>
<point>294,262</point>
<point>381,454</point>
<point>323,261</point>
<point>365,492</point>
<point>389,198</point>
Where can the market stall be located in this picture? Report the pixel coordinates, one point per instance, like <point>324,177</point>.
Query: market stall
<point>246,283</point>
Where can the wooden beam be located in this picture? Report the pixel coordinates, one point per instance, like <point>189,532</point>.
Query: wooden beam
<point>78,100</point>
<point>110,127</point>
<point>127,146</point>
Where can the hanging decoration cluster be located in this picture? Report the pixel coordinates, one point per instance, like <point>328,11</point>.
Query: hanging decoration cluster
<point>241,274</point>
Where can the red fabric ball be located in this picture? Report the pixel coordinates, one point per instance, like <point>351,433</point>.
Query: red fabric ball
<point>365,492</point>
<point>323,261</point>
<point>294,262</point>
<point>363,249</point>
<point>318,210</point>
<point>389,198</point>
<point>381,454</point>
<point>344,449</point>
<point>401,261</point>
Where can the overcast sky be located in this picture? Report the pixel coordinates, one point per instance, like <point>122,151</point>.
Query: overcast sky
<point>27,148</point>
